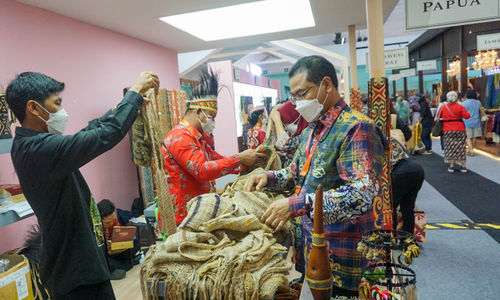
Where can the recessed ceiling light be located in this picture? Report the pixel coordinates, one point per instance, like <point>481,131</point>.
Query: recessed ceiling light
<point>245,19</point>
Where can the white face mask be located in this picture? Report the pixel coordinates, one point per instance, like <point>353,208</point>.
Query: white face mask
<point>209,125</point>
<point>292,128</point>
<point>310,109</point>
<point>57,121</point>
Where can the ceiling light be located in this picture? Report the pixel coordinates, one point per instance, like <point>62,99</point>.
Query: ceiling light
<point>255,70</point>
<point>245,19</point>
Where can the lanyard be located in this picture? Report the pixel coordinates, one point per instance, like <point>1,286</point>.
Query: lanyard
<point>309,153</point>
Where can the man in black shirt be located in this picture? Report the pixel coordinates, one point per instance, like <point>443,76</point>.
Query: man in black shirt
<point>73,263</point>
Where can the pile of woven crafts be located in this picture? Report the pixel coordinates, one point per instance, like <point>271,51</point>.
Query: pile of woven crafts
<point>221,250</point>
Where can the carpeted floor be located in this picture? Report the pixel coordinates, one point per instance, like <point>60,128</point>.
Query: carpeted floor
<point>474,195</point>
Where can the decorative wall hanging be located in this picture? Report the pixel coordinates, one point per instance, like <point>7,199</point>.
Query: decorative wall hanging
<point>380,113</point>
<point>4,118</point>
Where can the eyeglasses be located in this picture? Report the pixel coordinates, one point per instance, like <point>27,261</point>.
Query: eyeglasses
<point>301,96</point>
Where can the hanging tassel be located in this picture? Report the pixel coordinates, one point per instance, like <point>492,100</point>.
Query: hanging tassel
<point>364,289</point>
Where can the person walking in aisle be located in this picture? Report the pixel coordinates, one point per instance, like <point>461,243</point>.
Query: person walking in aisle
<point>403,109</point>
<point>426,119</point>
<point>452,114</point>
<point>415,109</point>
<point>472,124</point>
<point>73,263</point>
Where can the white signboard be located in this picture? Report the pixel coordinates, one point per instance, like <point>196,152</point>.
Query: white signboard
<point>407,72</point>
<point>396,58</point>
<point>426,65</point>
<point>394,77</point>
<point>488,41</point>
<point>425,14</point>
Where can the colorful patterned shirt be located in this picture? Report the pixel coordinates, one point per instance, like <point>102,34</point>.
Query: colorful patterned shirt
<point>192,166</point>
<point>348,163</point>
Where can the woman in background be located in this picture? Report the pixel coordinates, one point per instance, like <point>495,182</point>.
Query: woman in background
<point>256,135</point>
<point>452,114</point>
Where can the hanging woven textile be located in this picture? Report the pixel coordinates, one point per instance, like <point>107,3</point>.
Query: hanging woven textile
<point>4,118</point>
<point>167,221</point>
<point>177,105</point>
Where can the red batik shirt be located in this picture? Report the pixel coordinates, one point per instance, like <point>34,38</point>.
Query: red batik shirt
<point>256,137</point>
<point>192,166</point>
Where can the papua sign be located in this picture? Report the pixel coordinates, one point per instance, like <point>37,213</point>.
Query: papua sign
<point>425,14</point>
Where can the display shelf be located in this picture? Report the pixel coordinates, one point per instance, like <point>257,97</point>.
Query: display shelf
<point>386,241</point>
<point>10,217</point>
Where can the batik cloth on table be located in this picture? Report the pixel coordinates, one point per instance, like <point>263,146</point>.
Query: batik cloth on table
<point>348,163</point>
<point>4,119</point>
<point>192,166</point>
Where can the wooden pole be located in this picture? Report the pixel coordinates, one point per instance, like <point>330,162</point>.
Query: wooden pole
<point>355,93</point>
<point>444,68</point>
<point>463,63</point>
<point>379,107</point>
<point>405,87</point>
<point>352,56</point>
<point>421,82</point>
<point>375,22</point>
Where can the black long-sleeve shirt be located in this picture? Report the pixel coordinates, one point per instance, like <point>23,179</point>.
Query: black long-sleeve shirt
<point>47,166</point>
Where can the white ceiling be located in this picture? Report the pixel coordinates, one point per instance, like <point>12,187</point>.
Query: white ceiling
<point>393,27</point>
<point>139,19</point>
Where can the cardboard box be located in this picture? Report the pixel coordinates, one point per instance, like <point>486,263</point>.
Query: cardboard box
<point>15,283</point>
<point>123,237</point>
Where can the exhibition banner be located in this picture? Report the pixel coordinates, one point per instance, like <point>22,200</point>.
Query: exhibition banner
<point>394,77</point>
<point>407,72</point>
<point>426,14</point>
<point>488,41</point>
<point>426,65</point>
<point>396,58</point>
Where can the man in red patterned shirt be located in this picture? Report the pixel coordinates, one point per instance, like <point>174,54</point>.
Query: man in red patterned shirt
<point>191,164</point>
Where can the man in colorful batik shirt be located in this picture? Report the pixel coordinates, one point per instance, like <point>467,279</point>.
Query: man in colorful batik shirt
<point>191,164</point>
<point>340,149</point>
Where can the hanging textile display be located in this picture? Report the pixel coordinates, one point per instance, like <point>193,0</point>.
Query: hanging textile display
<point>492,98</point>
<point>356,99</point>
<point>147,136</point>
<point>164,114</point>
<point>167,103</point>
<point>380,112</point>
<point>177,105</point>
<point>147,185</point>
<point>141,141</point>
<point>4,118</point>
<point>246,106</point>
